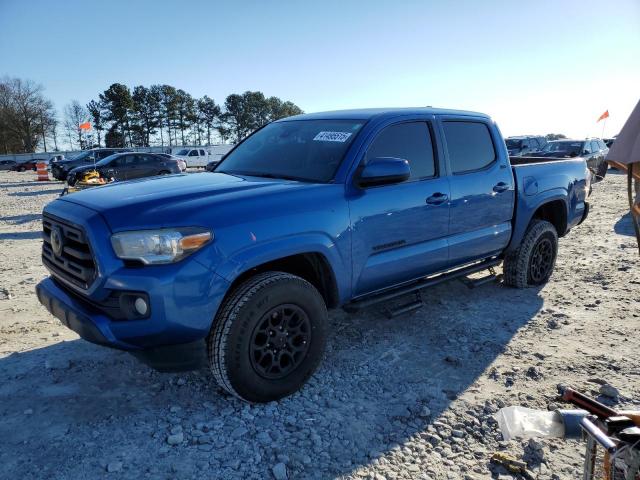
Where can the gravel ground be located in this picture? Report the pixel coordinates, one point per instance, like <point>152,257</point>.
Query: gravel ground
<point>411,397</point>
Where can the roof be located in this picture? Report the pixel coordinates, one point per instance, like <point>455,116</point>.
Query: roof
<point>369,113</point>
<point>522,137</point>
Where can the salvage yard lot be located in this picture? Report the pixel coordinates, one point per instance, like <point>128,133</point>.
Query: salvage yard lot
<point>411,397</point>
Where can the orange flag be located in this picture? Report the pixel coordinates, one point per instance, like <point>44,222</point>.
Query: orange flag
<point>85,126</point>
<point>603,116</point>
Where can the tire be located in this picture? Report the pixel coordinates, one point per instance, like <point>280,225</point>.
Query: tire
<point>21,169</point>
<point>252,311</point>
<point>164,172</point>
<point>602,170</point>
<point>532,263</point>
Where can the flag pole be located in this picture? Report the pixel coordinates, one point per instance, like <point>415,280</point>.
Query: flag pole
<point>604,124</point>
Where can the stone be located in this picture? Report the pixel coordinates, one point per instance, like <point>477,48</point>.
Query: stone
<point>175,439</point>
<point>114,467</point>
<point>280,471</point>
<point>609,390</point>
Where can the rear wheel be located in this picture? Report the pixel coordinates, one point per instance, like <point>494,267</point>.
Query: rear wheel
<point>533,261</point>
<point>602,170</point>
<point>268,338</point>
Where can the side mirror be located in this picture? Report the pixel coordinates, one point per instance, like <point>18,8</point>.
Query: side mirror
<point>384,171</point>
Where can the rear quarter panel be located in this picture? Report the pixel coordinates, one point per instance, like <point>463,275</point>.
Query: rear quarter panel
<point>541,183</point>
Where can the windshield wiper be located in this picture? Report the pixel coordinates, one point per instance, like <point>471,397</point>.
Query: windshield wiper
<point>268,175</point>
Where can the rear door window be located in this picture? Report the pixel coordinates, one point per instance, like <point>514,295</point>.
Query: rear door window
<point>469,145</point>
<point>586,148</point>
<point>202,154</point>
<point>594,146</point>
<point>410,141</point>
<point>193,153</point>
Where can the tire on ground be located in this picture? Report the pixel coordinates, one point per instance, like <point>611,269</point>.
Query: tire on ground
<point>518,263</point>
<point>241,313</point>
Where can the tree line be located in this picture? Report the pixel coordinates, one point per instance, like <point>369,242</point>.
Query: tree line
<point>158,115</point>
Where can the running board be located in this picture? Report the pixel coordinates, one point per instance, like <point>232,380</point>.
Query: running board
<point>492,276</point>
<point>415,287</point>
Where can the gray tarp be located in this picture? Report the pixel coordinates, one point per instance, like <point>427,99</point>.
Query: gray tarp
<point>626,148</point>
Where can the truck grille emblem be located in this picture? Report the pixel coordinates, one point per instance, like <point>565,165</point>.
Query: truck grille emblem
<point>57,243</point>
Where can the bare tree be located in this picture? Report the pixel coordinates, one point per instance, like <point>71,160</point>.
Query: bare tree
<point>74,115</point>
<point>24,115</point>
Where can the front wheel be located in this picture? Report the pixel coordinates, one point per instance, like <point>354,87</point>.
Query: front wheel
<point>533,261</point>
<point>268,337</point>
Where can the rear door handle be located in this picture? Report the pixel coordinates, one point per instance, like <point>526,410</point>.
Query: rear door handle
<point>501,187</point>
<point>437,198</point>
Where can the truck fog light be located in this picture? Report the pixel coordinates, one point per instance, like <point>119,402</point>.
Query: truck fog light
<point>141,306</point>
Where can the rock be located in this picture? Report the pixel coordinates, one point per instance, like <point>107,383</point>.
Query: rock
<point>114,467</point>
<point>535,444</point>
<point>457,433</point>
<point>57,364</point>
<point>175,439</point>
<point>176,429</point>
<point>175,409</point>
<point>609,390</point>
<point>28,411</point>
<point>534,372</point>
<point>239,432</point>
<point>280,471</point>
<point>425,412</point>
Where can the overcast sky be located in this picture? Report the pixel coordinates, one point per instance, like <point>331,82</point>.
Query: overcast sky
<point>535,66</point>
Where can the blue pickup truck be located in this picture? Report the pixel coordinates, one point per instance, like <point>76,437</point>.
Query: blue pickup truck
<point>341,209</point>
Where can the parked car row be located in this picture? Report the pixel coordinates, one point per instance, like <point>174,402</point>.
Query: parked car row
<point>593,150</point>
<point>18,166</point>
<point>524,145</point>
<point>127,166</point>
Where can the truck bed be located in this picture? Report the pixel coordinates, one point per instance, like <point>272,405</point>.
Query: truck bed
<point>529,160</point>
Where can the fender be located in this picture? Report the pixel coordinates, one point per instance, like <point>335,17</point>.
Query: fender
<point>526,207</point>
<point>274,249</point>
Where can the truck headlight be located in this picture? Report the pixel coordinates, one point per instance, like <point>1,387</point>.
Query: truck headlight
<point>167,245</point>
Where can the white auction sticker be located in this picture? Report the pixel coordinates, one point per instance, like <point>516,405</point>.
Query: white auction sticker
<point>332,137</point>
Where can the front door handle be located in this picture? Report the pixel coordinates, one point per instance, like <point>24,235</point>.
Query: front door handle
<point>437,198</point>
<point>501,187</point>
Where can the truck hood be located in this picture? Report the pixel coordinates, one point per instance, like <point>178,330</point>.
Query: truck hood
<point>176,200</point>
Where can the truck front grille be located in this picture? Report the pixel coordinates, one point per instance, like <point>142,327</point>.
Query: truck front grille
<point>68,254</point>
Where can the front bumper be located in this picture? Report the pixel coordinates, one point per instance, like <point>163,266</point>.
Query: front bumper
<point>77,317</point>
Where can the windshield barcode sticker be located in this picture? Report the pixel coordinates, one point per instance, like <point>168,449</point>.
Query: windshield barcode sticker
<point>332,137</point>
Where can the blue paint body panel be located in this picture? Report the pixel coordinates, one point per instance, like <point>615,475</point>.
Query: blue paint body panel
<point>371,239</point>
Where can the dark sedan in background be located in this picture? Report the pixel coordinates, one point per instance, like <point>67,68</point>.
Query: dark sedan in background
<point>593,150</point>
<point>61,168</point>
<point>524,145</point>
<point>127,166</point>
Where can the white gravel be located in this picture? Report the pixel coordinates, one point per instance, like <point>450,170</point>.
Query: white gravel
<point>407,398</point>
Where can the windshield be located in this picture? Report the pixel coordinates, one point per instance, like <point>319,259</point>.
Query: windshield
<point>183,152</point>
<point>307,150</point>
<point>107,160</point>
<point>567,148</point>
<point>81,155</point>
<point>511,143</point>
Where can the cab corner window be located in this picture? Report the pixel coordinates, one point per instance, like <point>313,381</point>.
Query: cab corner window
<point>410,141</point>
<point>469,145</point>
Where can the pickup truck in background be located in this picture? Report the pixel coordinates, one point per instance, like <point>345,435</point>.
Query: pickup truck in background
<point>200,157</point>
<point>307,214</point>
<point>194,157</point>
